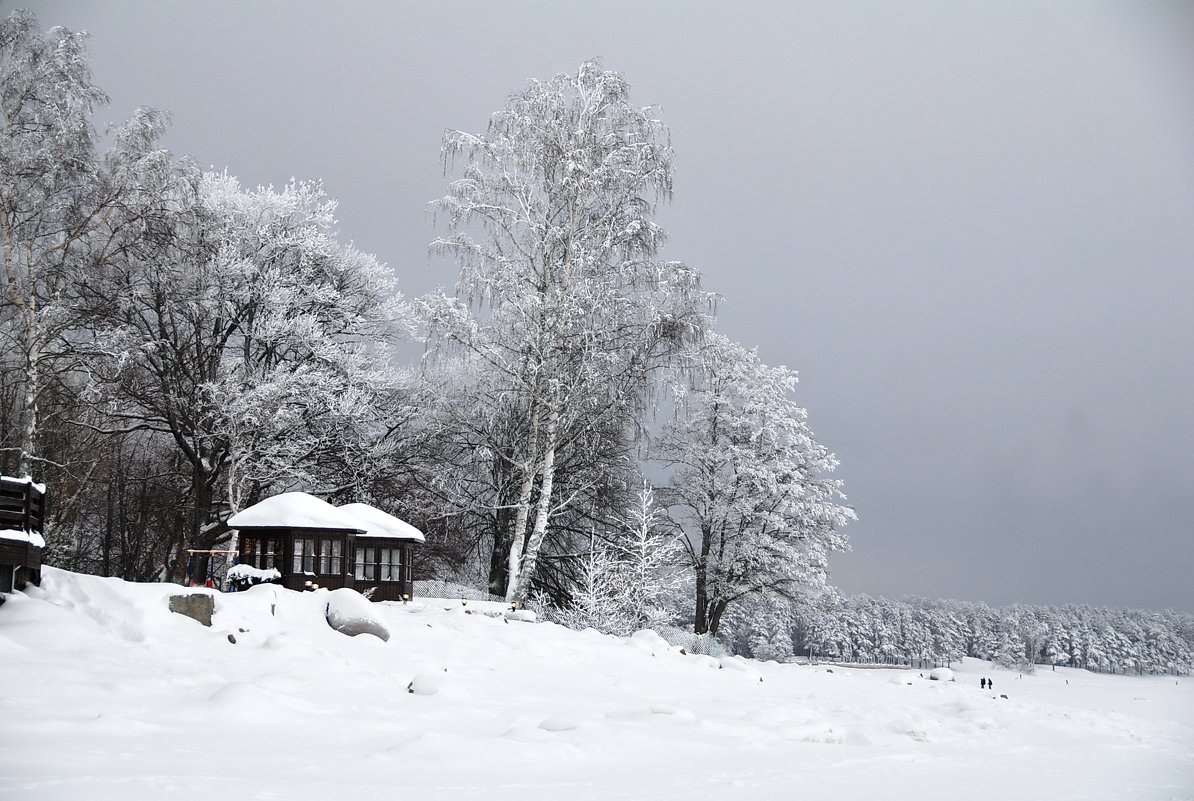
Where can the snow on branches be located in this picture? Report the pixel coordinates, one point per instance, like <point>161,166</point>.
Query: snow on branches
<point>560,293</point>
<point>748,482</point>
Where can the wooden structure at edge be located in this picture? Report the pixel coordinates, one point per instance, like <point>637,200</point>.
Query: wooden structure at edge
<point>22,508</point>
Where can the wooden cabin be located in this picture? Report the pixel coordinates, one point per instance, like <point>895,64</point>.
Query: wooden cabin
<point>309,541</point>
<point>22,515</point>
<point>384,553</point>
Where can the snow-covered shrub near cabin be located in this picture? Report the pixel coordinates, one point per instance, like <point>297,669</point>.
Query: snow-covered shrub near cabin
<point>241,577</point>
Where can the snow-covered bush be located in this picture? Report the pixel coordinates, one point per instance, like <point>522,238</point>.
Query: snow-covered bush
<point>241,577</point>
<point>627,582</point>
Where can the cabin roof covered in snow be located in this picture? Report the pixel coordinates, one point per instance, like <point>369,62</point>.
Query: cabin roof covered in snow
<point>300,510</point>
<point>295,510</point>
<point>377,523</point>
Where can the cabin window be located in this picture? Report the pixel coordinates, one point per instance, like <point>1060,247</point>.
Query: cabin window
<point>391,564</point>
<point>261,552</point>
<point>330,556</point>
<point>381,564</point>
<point>304,555</point>
<point>248,551</point>
<point>365,565</point>
<point>319,556</point>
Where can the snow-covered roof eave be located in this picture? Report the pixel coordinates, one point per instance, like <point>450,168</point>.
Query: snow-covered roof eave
<point>381,524</point>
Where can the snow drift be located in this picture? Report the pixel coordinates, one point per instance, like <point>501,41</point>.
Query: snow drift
<point>108,695</point>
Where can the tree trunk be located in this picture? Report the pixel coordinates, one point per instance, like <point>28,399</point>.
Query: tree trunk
<point>719,608</point>
<point>499,572</point>
<point>518,538</point>
<point>521,586</point>
<point>202,497</point>
<point>701,625</point>
<point>29,410</point>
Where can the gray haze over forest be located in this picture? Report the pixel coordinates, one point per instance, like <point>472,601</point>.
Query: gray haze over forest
<point>969,226</point>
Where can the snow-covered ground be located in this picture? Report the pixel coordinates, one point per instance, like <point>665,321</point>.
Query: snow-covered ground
<point>107,695</point>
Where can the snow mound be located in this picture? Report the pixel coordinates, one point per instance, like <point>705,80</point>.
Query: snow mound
<point>560,723</point>
<point>738,665</point>
<point>522,615</point>
<point>648,642</point>
<point>941,674</point>
<point>428,683</point>
<point>351,613</point>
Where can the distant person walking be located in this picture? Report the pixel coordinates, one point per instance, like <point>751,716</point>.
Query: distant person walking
<point>982,684</point>
<point>990,684</point>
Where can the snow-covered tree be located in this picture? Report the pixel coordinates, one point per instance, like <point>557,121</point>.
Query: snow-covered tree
<point>595,601</point>
<point>62,206</point>
<point>250,337</point>
<point>748,483</point>
<point>649,556</point>
<point>560,290</point>
<point>629,577</point>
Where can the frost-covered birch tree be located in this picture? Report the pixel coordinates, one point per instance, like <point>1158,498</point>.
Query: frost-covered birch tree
<point>60,203</point>
<point>560,291</point>
<point>748,483</point>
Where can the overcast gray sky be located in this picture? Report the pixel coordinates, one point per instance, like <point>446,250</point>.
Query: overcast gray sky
<point>969,226</point>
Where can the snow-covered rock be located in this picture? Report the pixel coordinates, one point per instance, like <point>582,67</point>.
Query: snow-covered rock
<point>351,613</point>
<point>941,674</point>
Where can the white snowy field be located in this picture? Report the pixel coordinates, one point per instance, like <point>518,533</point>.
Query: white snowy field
<point>107,695</point>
